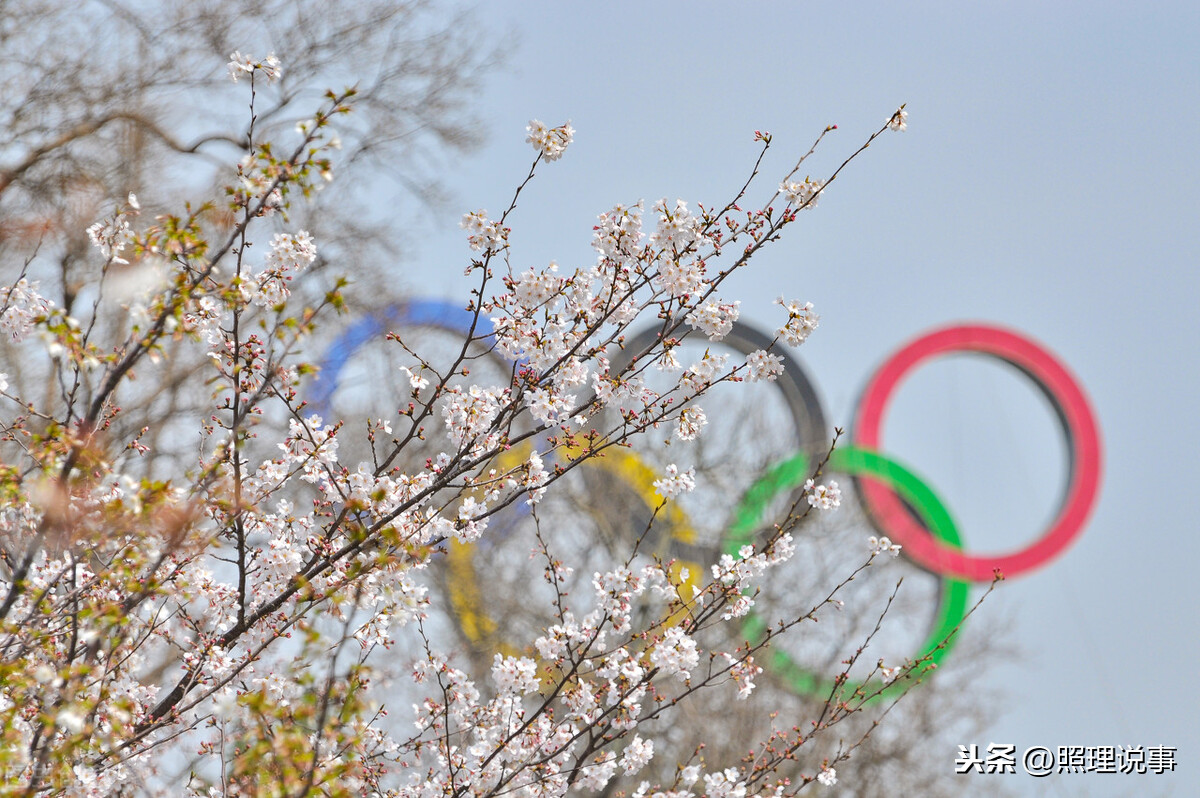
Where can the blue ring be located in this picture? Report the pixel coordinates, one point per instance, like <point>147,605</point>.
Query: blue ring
<point>434,313</point>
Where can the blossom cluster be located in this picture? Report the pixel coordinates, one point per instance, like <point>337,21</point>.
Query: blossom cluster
<point>883,545</point>
<point>111,234</point>
<point>259,607</point>
<point>801,321</point>
<point>21,306</point>
<point>675,482</point>
<point>823,496</point>
<point>290,255</point>
<point>763,365</point>
<point>737,574</point>
<point>802,194</point>
<point>714,318</point>
<point>240,65</point>
<point>551,142</point>
<point>483,233</point>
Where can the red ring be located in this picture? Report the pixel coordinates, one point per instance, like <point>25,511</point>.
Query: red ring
<point>1075,415</point>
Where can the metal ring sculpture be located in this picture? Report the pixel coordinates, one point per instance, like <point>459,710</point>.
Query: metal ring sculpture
<point>899,504</point>
<point>888,489</point>
<point>954,594</point>
<point>1074,415</point>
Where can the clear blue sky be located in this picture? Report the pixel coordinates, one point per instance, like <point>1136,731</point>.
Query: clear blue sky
<point>1047,181</point>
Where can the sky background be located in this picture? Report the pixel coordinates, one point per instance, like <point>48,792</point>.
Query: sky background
<point>1047,182</point>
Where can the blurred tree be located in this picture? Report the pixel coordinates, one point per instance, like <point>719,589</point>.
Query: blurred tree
<point>143,113</point>
<point>104,98</point>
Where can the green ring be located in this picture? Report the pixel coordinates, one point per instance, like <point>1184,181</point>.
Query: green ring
<point>790,473</point>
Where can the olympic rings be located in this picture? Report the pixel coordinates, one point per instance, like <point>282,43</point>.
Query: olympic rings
<point>1074,414</point>
<point>887,488</point>
<point>955,593</point>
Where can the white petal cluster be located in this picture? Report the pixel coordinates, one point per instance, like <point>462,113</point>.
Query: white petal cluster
<point>483,233</point>
<point>205,320</point>
<point>637,755</point>
<point>514,675</point>
<point>823,497</point>
<point>618,233</point>
<point>558,639</point>
<point>596,775</point>
<point>245,65</point>
<point>802,194</point>
<point>678,229</point>
<point>415,380</point>
<point>469,415</point>
<point>703,372</point>
<point>547,405</point>
<point>536,478</point>
<point>625,686</point>
<point>630,395</point>
<point>742,672</point>
<point>691,421</point>
<point>112,233</point>
<point>714,318</point>
<point>675,654</point>
<point>551,142</point>
<point>738,573</point>
<point>535,289</point>
<point>680,279</point>
<point>883,545</point>
<point>312,447</point>
<point>801,321</point>
<point>762,365</point>
<point>22,306</point>
<point>616,591</point>
<point>724,784</point>
<point>290,255</point>
<point>260,183</point>
<point>675,482</point>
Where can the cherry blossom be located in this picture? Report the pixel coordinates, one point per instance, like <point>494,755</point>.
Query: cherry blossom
<point>484,234</point>
<point>883,545</point>
<point>551,142</point>
<point>802,194</point>
<point>675,482</point>
<point>762,365</point>
<point>278,608</point>
<point>801,321</point>
<point>21,306</point>
<point>714,318</point>
<point>823,496</point>
<point>245,65</point>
